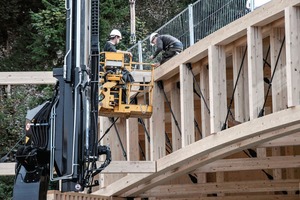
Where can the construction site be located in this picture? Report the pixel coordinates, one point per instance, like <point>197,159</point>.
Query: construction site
<point>221,120</point>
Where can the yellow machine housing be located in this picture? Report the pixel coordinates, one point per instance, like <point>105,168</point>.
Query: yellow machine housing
<point>119,96</point>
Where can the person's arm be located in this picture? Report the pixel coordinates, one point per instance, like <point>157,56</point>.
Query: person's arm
<point>159,47</point>
<point>125,52</point>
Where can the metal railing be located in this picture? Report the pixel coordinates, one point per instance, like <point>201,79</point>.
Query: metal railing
<point>195,22</point>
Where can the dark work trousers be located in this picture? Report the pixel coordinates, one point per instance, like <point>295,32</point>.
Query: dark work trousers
<point>171,52</point>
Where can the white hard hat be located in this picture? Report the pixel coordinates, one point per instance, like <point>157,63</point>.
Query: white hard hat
<point>152,37</point>
<point>115,32</point>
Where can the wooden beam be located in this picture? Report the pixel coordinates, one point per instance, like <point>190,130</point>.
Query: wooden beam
<point>132,138</point>
<point>115,167</point>
<point>20,78</point>
<point>7,169</point>
<point>237,197</point>
<point>191,190</point>
<point>217,87</point>
<point>292,34</point>
<point>290,140</point>
<point>186,106</point>
<point>157,125</point>
<point>243,164</point>
<point>175,105</point>
<point>205,106</point>
<point>240,76</point>
<point>255,67</point>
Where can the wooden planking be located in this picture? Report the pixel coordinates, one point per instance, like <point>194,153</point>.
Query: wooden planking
<point>292,32</point>
<point>221,144</point>
<point>20,78</point>
<point>191,190</point>
<point>217,87</point>
<point>255,66</point>
<point>186,106</point>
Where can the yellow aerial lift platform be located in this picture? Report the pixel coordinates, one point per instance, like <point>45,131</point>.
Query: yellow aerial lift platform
<point>119,94</point>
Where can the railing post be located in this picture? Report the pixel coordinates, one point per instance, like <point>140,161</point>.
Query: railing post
<point>140,53</point>
<point>191,24</point>
<point>252,6</point>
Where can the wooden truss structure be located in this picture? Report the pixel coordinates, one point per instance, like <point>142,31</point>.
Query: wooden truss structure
<point>225,124</point>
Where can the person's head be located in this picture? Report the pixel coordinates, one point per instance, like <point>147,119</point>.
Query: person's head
<point>115,36</point>
<point>152,38</point>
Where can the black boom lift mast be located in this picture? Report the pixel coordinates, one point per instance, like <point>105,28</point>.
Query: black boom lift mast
<point>62,134</point>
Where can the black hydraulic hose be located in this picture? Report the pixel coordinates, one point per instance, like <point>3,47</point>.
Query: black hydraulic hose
<point>261,113</point>
<point>141,150</point>
<point>169,141</point>
<point>189,66</point>
<point>235,85</point>
<point>161,86</point>
<point>198,129</point>
<point>141,121</point>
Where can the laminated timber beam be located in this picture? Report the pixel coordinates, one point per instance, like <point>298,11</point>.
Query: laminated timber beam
<point>191,190</point>
<point>208,150</point>
<point>233,31</point>
<point>46,77</point>
<point>223,165</point>
<point>237,197</point>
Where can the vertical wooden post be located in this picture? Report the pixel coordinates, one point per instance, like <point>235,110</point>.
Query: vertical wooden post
<point>292,32</point>
<point>217,87</point>
<point>132,135</point>
<point>218,93</point>
<point>279,90</point>
<point>255,67</point>
<point>186,105</point>
<point>175,106</point>
<point>104,124</point>
<point>241,96</point>
<point>157,125</point>
<point>205,110</point>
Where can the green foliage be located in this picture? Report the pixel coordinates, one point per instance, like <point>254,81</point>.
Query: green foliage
<point>48,27</point>
<point>6,187</point>
<point>13,109</point>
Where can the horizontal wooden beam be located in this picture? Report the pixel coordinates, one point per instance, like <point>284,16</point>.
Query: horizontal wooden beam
<point>190,190</point>
<point>238,197</point>
<point>7,169</point>
<point>20,78</point>
<point>120,167</point>
<point>242,164</point>
<point>46,77</point>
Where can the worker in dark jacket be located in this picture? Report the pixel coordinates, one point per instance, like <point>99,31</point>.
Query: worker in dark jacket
<point>167,43</point>
<point>114,39</point>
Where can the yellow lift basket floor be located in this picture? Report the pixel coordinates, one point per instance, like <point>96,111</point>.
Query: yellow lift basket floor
<point>125,88</point>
